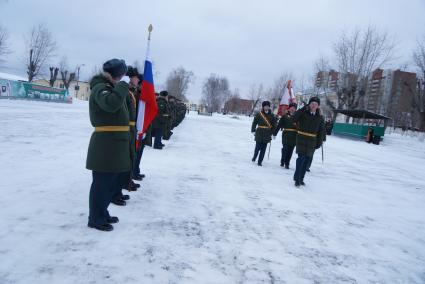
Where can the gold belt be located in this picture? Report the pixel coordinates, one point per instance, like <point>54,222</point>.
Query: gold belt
<point>132,123</point>
<point>307,134</point>
<point>112,128</point>
<point>264,127</point>
<point>290,129</point>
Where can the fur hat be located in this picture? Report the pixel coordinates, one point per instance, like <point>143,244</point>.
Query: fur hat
<point>314,99</point>
<point>115,67</point>
<point>132,72</point>
<point>265,103</point>
<point>293,105</point>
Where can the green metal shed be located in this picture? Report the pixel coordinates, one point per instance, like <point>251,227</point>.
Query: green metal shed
<point>360,127</point>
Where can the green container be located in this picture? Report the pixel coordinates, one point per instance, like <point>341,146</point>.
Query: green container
<point>356,130</point>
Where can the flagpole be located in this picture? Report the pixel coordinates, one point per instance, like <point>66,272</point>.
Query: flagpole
<point>150,29</point>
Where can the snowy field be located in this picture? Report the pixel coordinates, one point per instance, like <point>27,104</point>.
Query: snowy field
<point>206,213</point>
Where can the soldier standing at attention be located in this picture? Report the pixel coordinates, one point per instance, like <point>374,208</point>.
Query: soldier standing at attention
<point>311,127</point>
<point>289,135</point>
<point>161,120</point>
<point>131,104</point>
<point>262,128</point>
<point>108,154</point>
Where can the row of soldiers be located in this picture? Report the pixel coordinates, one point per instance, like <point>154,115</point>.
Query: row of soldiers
<point>115,148</point>
<point>303,128</point>
<point>171,112</point>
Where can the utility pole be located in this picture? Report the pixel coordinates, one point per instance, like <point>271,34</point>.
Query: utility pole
<point>77,87</point>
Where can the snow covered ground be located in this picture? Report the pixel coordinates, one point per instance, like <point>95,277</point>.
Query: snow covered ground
<point>206,213</point>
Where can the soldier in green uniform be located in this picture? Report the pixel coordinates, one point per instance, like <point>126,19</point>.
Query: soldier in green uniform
<point>289,135</point>
<point>131,103</point>
<point>160,122</point>
<point>142,141</point>
<point>108,154</point>
<point>262,127</point>
<point>311,127</point>
<point>171,117</point>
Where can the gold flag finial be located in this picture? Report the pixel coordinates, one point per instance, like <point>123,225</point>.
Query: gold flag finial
<point>150,28</point>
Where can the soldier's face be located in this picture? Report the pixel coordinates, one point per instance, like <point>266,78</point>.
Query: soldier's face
<point>313,106</point>
<point>292,110</point>
<point>134,80</point>
<point>266,108</point>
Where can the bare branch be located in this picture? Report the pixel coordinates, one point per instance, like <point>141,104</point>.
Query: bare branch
<point>41,48</point>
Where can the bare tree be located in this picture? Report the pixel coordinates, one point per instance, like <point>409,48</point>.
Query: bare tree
<point>138,65</point>
<point>231,104</point>
<point>178,82</point>
<point>53,75</point>
<point>357,54</point>
<point>66,79</point>
<point>4,46</point>
<point>41,48</point>
<point>255,94</point>
<point>214,92</point>
<point>419,93</point>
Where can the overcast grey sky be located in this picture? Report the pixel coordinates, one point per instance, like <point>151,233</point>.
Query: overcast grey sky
<point>246,41</point>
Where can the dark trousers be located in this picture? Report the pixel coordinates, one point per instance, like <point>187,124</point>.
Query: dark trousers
<point>158,137</point>
<point>287,151</point>
<point>302,163</point>
<point>139,154</point>
<point>309,163</point>
<point>102,189</point>
<point>260,148</point>
<point>123,183</point>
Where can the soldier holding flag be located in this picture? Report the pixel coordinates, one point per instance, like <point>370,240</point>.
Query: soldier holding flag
<point>289,134</point>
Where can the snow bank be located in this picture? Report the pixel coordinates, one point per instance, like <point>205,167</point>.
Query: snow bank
<point>205,213</point>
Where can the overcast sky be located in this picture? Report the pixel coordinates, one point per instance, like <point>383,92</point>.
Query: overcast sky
<point>246,41</point>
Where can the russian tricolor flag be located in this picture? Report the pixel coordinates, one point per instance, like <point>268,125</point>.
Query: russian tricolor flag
<point>287,98</point>
<point>147,101</point>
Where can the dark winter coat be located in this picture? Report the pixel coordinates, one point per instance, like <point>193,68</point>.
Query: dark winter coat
<point>311,131</point>
<point>108,151</point>
<point>289,130</point>
<point>162,117</point>
<point>132,102</point>
<point>263,132</point>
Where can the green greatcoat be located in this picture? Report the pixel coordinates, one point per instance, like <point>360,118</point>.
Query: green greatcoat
<point>289,130</point>
<point>163,115</point>
<point>263,133</point>
<point>313,127</point>
<point>131,102</point>
<point>108,151</point>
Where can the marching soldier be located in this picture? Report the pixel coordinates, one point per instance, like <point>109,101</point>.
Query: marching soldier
<point>309,136</point>
<point>289,135</point>
<point>108,154</point>
<point>262,127</point>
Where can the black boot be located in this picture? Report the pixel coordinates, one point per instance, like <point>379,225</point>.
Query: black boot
<point>113,220</point>
<point>119,202</point>
<point>138,177</point>
<point>104,227</point>
<point>287,167</point>
<point>125,197</point>
<point>297,184</point>
<point>302,183</point>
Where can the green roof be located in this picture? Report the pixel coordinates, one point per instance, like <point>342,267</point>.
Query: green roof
<point>358,113</point>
